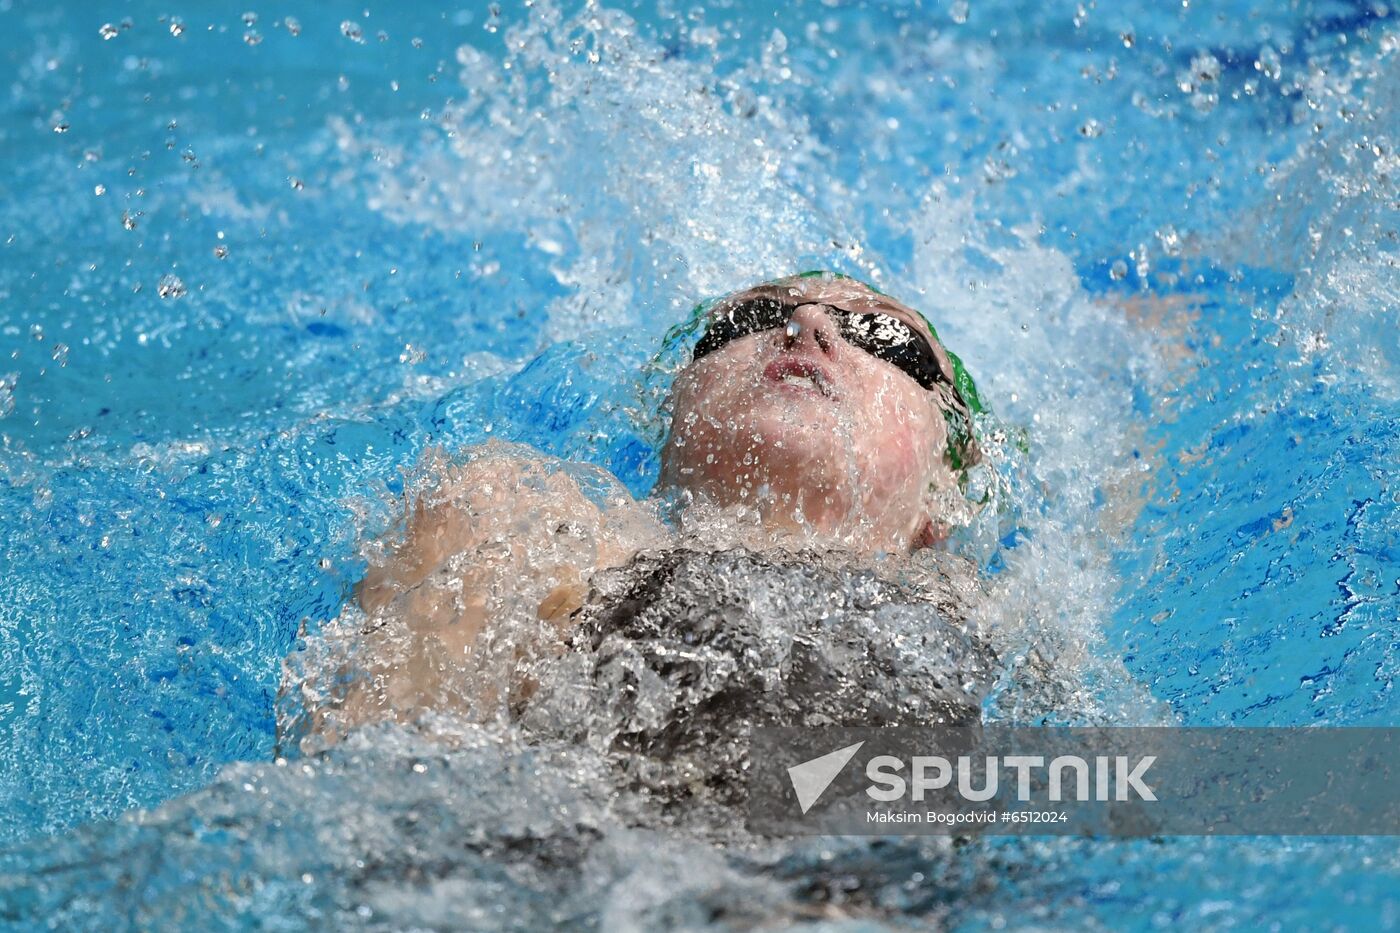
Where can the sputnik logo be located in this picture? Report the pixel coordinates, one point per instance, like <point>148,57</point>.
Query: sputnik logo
<point>811,778</point>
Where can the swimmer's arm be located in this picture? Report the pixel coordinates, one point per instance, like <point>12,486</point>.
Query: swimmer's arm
<point>510,502</point>
<point>491,531</point>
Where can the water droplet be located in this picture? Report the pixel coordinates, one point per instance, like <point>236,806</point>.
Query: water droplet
<point>1128,39</point>
<point>958,11</point>
<point>493,19</point>
<point>382,36</point>
<point>99,190</point>
<point>221,251</point>
<point>417,43</point>
<point>60,127</point>
<point>60,354</point>
<point>293,26</point>
<point>1118,271</point>
<point>108,31</point>
<point>1091,129</point>
<point>250,19</point>
<point>128,221</point>
<point>295,182</point>
<point>252,37</point>
<point>170,286</point>
<point>177,28</point>
<point>352,31</point>
<point>1269,64</point>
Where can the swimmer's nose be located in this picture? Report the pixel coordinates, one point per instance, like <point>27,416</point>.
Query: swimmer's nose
<point>816,329</point>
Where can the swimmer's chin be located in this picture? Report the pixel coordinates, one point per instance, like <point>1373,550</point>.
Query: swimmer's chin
<point>797,433</point>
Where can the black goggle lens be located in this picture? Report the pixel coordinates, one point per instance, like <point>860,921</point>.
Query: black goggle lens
<point>881,335</point>
<point>749,317</point>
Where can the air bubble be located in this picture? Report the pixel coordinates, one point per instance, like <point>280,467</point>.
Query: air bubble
<point>1118,271</point>
<point>352,31</point>
<point>108,31</point>
<point>293,25</point>
<point>221,251</point>
<point>177,28</point>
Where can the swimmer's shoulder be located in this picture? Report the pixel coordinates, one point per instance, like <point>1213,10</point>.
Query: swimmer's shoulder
<point>506,497</point>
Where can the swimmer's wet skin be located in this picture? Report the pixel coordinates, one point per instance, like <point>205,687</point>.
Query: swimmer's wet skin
<point>816,414</point>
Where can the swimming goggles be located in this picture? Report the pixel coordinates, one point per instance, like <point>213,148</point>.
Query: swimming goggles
<point>882,335</point>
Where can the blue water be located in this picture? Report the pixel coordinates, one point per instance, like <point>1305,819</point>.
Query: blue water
<point>462,226</point>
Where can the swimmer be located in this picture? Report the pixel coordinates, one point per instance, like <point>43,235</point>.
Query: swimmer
<point>816,413</point>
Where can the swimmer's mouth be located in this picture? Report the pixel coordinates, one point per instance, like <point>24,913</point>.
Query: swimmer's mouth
<point>800,373</point>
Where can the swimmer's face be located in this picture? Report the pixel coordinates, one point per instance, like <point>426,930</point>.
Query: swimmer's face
<point>814,432</point>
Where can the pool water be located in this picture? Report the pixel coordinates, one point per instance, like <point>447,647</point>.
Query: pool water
<point>254,264</point>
